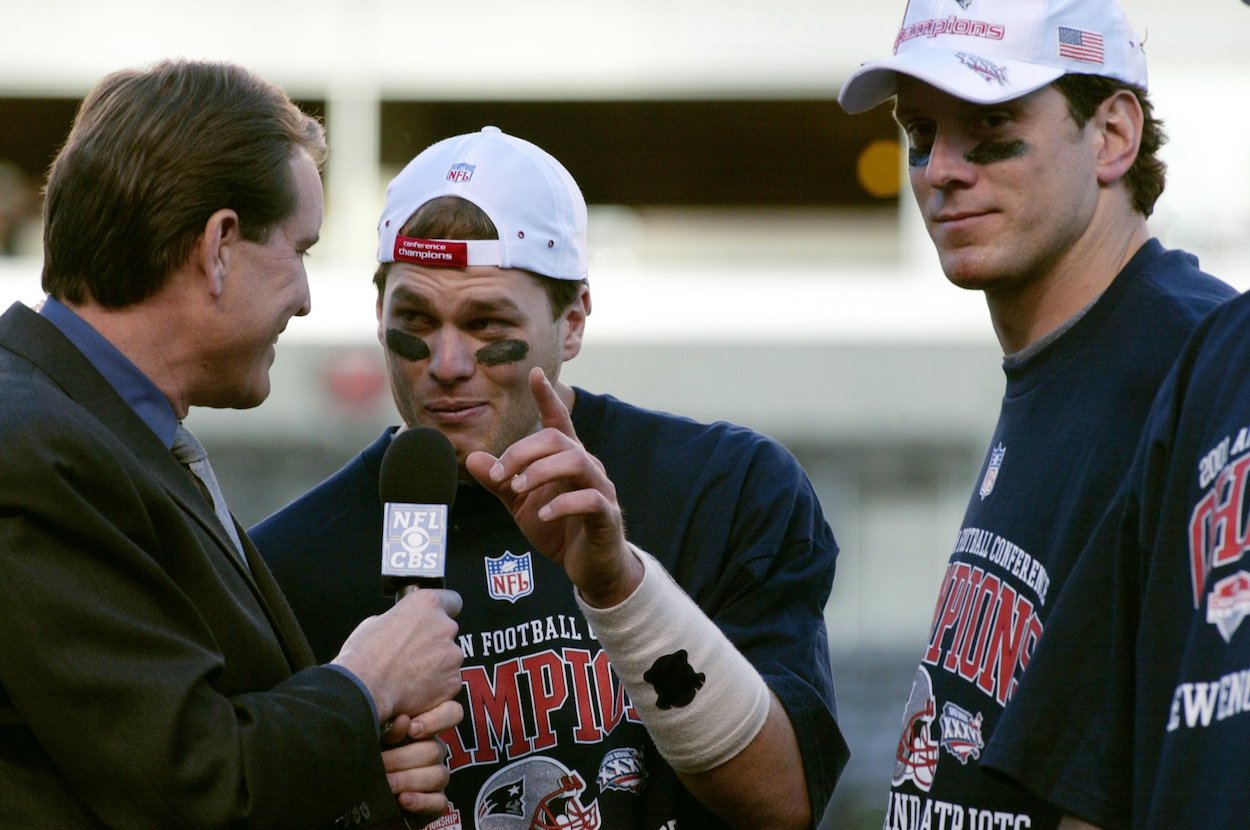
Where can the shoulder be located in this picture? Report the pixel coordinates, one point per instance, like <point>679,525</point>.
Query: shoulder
<point>1145,317</point>
<point>1217,347</point>
<point>618,424</point>
<point>1173,280</point>
<point>634,441</point>
<point>39,422</point>
<point>1228,318</point>
<point>670,469</point>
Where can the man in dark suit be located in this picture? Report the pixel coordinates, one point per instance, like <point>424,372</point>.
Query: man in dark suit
<point>151,674</point>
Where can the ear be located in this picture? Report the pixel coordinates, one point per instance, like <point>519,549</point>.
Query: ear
<point>575,322</point>
<point>218,249</point>
<point>1119,121</point>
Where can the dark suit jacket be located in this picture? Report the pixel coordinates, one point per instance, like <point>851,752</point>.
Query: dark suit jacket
<point>147,679</point>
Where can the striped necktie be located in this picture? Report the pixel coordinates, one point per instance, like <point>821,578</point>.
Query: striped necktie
<point>190,454</point>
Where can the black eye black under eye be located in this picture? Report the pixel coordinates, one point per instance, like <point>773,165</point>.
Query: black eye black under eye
<point>406,345</point>
<point>988,152</point>
<point>505,351</point>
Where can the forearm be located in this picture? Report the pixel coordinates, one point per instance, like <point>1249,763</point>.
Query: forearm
<point>746,790</point>
<point>708,710</point>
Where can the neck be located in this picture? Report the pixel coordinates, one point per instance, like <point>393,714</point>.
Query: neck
<point>147,334</point>
<point>1025,312</point>
<point>567,395</point>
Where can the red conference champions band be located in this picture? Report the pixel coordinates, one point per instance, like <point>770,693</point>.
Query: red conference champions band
<point>445,253</point>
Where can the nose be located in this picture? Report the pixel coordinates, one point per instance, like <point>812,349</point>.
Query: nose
<point>451,356</point>
<point>305,300</point>
<point>947,165</point>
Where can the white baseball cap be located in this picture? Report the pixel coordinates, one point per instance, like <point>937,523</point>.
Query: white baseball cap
<point>534,203</point>
<point>990,51</point>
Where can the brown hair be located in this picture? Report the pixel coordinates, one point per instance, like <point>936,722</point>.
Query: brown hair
<point>1147,177</point>
<point>450,217</point>
<point>153,153</point>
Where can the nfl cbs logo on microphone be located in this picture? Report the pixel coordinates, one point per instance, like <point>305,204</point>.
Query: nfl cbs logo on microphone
<point>415,541</point>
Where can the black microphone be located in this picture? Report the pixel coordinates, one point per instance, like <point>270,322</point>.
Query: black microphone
<point>417,485</point>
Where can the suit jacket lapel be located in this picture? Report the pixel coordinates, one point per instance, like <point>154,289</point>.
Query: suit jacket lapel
<point>26,333</point>
<point>281,617</point>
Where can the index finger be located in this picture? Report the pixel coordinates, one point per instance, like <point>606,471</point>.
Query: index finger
<point>551,409</point>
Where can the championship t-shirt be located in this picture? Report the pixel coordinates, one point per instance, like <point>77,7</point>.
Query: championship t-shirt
<point>1155,740</point>
<point>1067,428</point>
<point>549,733</point>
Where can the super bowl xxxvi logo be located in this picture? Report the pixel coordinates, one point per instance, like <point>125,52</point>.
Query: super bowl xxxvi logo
<point>987,69</point>
<point>961,732</point>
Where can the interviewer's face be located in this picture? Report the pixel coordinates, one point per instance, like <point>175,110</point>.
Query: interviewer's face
<point>460,343</point>
<point>265,288</point>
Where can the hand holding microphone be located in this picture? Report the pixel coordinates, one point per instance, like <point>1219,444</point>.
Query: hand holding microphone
<point>408,657</point>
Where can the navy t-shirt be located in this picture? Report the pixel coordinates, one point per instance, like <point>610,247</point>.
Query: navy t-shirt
<point>548,725</point>
<point>1066,432</point>
<point>1157,735</point>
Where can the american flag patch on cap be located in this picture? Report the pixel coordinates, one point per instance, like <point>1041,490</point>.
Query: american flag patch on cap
<point>1079,45</point>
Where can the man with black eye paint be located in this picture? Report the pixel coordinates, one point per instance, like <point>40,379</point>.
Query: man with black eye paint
<point>1032,156</point>
<point>677,679</point>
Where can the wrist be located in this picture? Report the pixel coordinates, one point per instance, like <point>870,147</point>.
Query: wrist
<point>612,592</point>
<point>699,698</point>
<point>381,704</point>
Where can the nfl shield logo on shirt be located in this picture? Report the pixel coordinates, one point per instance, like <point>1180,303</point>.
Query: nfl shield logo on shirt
<point>509,576</point>
<point>991,472</point>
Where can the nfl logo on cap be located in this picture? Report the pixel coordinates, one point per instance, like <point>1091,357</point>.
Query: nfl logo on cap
<point>460,172</point>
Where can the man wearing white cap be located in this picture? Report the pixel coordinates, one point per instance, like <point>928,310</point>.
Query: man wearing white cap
<point>677,679</point>
<point>1032,155</point>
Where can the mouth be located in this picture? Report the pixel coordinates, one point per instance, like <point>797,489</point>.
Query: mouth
<point>954,224</point>
<point>954,216</point>
<point>455,412</point>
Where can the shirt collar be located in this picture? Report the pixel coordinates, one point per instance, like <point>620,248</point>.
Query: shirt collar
<point>134,387</point>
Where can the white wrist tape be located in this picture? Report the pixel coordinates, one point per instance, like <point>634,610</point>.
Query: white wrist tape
<point>698,696</point>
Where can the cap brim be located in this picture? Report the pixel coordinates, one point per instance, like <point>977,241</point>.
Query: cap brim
<point>971,77</point>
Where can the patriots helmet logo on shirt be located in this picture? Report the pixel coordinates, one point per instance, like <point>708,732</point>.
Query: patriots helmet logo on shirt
<point>916,757</point>
<point>535,794</point>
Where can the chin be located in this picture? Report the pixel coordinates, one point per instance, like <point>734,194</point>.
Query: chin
<point>967,271</point>
<point>252,396</point>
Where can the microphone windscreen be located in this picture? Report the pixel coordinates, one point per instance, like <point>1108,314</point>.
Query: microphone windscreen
<point>419,467</point>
